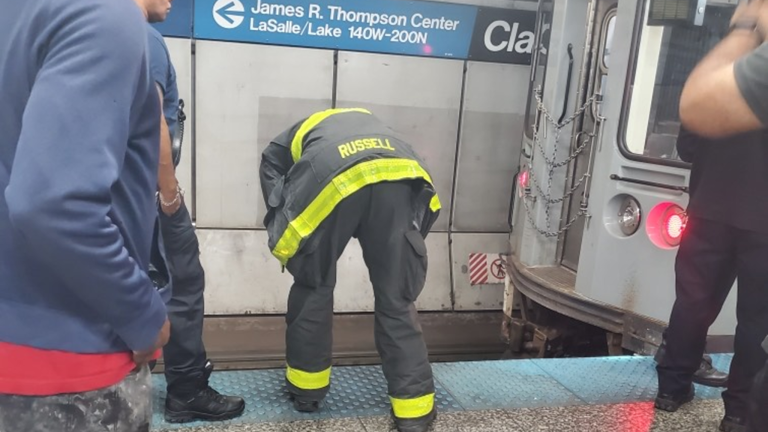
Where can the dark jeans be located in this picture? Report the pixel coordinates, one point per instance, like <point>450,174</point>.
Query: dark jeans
<point>184,355</point>
<point>124,407</point>
<point>758,410</point>
<point>710,254</point>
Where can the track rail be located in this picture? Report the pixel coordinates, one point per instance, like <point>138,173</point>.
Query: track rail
<point>258,341</point>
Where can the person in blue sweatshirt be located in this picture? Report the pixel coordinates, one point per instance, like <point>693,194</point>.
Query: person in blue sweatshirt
<point>80,316</point>
<point>187,369</point>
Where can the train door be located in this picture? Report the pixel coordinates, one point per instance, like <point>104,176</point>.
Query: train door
<point>593,80</point>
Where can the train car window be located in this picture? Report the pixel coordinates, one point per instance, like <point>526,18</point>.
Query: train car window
<point>663,57</point>
<point>608,40</point>
<point>539,69</point>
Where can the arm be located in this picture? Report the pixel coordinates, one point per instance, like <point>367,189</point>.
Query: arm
<point>166,174</point>
<point>712,104</point>
<point>276,161</point>
<point>70,152</point>
<point>159,68</point>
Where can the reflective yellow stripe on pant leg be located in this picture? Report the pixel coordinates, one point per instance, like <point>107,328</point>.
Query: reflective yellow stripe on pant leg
<point>308,380</point>
<point>413,408</point>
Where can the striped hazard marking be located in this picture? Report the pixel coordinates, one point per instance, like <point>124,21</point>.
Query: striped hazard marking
<point>478,268</point>
<point>485,269</point>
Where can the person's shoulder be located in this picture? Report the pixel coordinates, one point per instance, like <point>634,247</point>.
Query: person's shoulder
<point>753,64</point>
<point>96,23</point>
<point>113,29</point>
<point>158,49</point>
<point>155,38</point>
<point>751,75</point>
<point>119,15</point>
<point>154,35</point>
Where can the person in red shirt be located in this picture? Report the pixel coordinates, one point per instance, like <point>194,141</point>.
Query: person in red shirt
<point>80,313</point>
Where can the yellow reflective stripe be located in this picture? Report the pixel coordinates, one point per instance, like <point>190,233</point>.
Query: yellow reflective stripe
<point>434,203</point>
<point>315,119</point>
<point>413,408</point>
<point>342,186</point>
<point>308,380</point>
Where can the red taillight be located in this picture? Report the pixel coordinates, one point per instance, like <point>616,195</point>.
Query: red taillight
<point>522,183</point>
<point>675,226</point>
<point>524,179</point>
<point>666,224</point>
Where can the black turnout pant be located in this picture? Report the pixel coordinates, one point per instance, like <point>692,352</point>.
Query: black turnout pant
<point>381,217</point>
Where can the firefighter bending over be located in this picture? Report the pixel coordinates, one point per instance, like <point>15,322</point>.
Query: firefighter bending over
<point>335,175</point>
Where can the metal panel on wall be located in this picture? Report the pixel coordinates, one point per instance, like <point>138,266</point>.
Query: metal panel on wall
<point>246,95</point>
<point>242,277</point>
<point>354,292</point>
<point>181,57</point>
<point>476,297</point>
<point>417,97</point>
<point>489,149</point>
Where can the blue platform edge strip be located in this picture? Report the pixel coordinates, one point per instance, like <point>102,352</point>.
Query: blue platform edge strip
<point>361,391</point>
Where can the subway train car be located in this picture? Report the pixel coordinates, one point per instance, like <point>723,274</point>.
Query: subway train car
<point>601,193</point>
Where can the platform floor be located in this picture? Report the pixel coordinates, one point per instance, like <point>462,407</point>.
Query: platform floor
<point>611,394</point>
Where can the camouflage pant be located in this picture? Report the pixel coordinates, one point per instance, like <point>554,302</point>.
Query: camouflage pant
<point>124,407</point>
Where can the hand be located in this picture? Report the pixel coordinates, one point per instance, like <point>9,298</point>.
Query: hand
<point>143,357</point>
<point>747,11</point>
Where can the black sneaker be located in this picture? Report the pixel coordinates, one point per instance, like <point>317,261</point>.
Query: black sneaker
<point>733,424</point>
<point>708,375</point>
<point>420,424</point>
<point>672,403</point>
<point>207,405</point>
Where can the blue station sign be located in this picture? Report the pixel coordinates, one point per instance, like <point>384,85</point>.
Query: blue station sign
<point>394,26</point>
<point>419,28</point>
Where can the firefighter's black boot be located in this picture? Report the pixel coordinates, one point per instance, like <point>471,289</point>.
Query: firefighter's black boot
<point>420,424</point>
<point>305,406</point>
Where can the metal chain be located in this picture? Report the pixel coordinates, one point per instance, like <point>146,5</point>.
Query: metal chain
<point>562,198</point>
<point>533,177</point>
<point>557,233</point>
<point>552,165</point>
<point>571,157</point>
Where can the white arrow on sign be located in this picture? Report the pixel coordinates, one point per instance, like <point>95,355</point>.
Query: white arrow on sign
<point>228,13</point>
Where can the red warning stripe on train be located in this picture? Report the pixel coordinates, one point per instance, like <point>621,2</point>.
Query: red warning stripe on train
<point>478,268</point>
